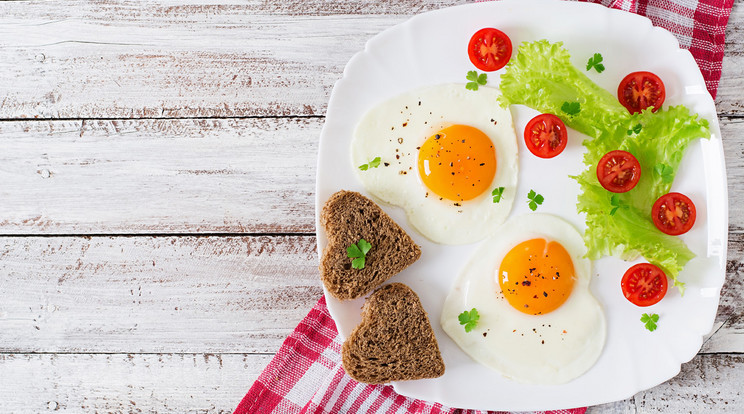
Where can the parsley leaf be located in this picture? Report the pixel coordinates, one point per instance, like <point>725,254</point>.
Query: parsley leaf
<point>534,200</point>
<point>358,252</point>
<point>364,246</point>
<point>497,194</point>
<point>475,80</point>
<point>635,130</point>
<point>665,172</point>
<point>596,63</point>
<point>571,108</point>
<point>372,164</point>
<point>469,319</point>
<point>650,321</point>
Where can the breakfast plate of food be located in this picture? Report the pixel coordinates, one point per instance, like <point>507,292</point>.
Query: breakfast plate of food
<point>521,205</point>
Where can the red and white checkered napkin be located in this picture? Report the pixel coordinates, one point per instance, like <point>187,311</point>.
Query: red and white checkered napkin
<point>306,376</point>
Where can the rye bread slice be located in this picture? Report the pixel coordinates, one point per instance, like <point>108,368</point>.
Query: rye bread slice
<point>394,341</point>
<point>347,217</point>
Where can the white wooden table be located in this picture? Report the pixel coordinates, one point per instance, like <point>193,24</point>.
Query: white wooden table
<point>157,171</point>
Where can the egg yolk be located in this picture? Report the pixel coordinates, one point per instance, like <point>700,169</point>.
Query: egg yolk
<point>536,276</point>
<point>457,163</point>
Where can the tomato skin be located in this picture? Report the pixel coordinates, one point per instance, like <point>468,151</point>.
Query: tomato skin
<point>545,135</point>
<point>674,213</point>
<point>489,49</point>
<point>618,171</point>
<point>644,284</point>
<point>640,90</point>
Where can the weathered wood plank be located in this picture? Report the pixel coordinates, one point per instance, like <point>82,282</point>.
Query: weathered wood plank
<point>163,294</point>
<point>186,175</point>
<point>123,59</point>
<point>215,383</point>
<point>707,384</point>
<point>191,294</point>
<point>158,176</point>
<point>729,99</point>
<point>138,59</point>
<point>126,383</point>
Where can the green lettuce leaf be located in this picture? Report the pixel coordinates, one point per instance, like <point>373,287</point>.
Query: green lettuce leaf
<point>542,77</point>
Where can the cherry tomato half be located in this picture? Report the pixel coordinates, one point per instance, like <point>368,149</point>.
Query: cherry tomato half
<point>618,171</point>
<point>639,90</point>
<point>489,49</point>
<point>545,135</point>
<point>644,284</point>
<point>674,213</point>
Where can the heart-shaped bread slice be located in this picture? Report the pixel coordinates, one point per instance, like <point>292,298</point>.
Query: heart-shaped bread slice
<point>394,341</point>
<point>348,217</point>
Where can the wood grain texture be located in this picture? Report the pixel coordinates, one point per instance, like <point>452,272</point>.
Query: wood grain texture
<point>158,176</point>
<point>153,295</point>
<point>126,383</point>
<point>133,59</point>
<point>707,384</point>
<point>139,59</point>
<point>215,383</point>
<point>187,175</point>
<point>729,99</point>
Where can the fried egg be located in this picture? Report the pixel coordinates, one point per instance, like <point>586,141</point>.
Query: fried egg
<point>538,321</point>
<point>442,150</point>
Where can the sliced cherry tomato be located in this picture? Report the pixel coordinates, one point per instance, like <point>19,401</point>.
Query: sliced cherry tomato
<point>644,284</point>
<point>674,213</point>
<point>640,90</point>
<point>618,171</point>
<point>489,49</point>
<point>545,135</point>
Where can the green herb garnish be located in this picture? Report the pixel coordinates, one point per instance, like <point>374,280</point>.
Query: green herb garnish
<point>475,80</point>
<point>497,193</point>
<point>596,63</point>
<point>635,130</point>
<point>358,252</point>
<point>534,200</point>
<point>650,321</point>
<point>571,108</point>
<point>665,172</point>
<point>372,164</point>
<point>469,319</point>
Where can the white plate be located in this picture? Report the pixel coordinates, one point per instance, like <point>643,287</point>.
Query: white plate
<point>431,49</point>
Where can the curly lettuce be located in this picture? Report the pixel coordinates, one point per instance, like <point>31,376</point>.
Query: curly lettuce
<point>542,77</point>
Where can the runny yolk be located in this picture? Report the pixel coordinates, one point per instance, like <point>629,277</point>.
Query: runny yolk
<point>536,276</point>
<point>457,163</point>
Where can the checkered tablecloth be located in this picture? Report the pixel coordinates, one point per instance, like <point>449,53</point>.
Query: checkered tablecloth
<point>306,375</point>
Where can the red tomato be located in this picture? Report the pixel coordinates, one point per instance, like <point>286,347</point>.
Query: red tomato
<point>639,90</point>
<point>545,136</point>
<point>674,213</point>
<point>618,171</point>
<point>489,49</point>
<point>644,284</point>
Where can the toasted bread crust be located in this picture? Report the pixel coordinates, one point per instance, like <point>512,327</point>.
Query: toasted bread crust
<point>394,341</point>
<point>347,217</point>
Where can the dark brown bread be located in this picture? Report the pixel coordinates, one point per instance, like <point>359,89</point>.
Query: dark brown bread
<point>347,217</point>
<point>394,341</point>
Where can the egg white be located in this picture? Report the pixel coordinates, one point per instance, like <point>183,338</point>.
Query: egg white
<point>527,348</point>
<point>393,130</point>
